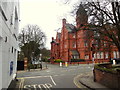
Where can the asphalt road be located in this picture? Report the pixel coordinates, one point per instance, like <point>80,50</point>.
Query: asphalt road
<point>53,77</point>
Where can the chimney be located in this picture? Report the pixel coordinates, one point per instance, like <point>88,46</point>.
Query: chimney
<point>52,38</point>
<point>63,22</point>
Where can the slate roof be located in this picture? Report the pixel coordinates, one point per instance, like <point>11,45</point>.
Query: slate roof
<point>70,27</point>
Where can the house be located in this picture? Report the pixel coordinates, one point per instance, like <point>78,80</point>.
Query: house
<point>74,43</point>
<point>9,25</point>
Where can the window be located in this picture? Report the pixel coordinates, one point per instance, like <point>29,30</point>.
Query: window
<point>78,43</point>
<point>16,19</point>
<point>105,44</point>
<point>118,54</point>
<point>73,35</point>
<point>98,55</point>
<point>102,55</point>
<point>4,8</point>
<point>94,55</point>
<point>12,50</point>
<point>86,56</point>
<point>65,46</point>
<point>75,57</point>
<point>106,55</point>
<point>114,54</point>
<point>85,44</point>
<point>74,45</point>
<point>5,39</point>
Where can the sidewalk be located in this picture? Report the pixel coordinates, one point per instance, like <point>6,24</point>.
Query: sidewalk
<point>87,81</point>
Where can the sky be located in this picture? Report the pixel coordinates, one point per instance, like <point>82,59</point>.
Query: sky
<point>47,14</point>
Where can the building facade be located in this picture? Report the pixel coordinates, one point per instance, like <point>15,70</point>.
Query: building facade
<point>9,25</point>
<point>74,43</point>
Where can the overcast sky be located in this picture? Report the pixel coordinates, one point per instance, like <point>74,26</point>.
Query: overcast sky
<point>47,14</point>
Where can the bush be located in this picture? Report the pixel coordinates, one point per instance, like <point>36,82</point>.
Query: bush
<point>77,60</point>
<point>102,68</point>
<point>58,60</point>
<point>30,66</point>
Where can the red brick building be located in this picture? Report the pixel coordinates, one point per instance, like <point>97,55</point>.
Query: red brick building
<point>73,43</point>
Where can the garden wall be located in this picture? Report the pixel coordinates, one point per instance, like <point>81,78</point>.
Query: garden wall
<point>111,80</point>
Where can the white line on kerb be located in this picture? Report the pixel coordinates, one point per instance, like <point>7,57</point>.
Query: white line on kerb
<point>52,80</point>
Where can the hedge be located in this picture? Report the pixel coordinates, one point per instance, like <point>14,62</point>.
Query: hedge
<point>58,60</point>
<point>77,60</point>
<point>110,70</point>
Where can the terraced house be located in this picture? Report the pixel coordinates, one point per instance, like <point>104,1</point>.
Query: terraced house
<point>74,43</point>
<point>9,22</point>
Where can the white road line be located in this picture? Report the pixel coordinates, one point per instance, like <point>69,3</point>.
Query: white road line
<point>33,77</point>
<point>40,87</point>
<point>53,80</point>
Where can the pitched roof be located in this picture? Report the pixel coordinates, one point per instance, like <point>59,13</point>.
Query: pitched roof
<point>70,27</point>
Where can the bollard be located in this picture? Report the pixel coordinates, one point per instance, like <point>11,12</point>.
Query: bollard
<point>66,64</point>
<point>60,64</point>
<point>114,62</point>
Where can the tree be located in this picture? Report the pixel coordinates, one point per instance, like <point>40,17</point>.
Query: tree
<point>32,39</point>
<point>45,54</point>
<point>104,19</point>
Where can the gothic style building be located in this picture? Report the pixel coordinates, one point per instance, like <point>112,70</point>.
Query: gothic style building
<point>74,43</point>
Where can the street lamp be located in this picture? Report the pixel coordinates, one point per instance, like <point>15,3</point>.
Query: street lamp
<point>40,61</point>
<point>93,51</point>
<point>32,58</point>
<point>40,58</point>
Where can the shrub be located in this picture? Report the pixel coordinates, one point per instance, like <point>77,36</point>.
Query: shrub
<point>58,60</point>
<point>30,66</point>
<point>77,60</point>
<point>102,68</point>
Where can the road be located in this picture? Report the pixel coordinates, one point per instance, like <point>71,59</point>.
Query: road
<point>53,77</point>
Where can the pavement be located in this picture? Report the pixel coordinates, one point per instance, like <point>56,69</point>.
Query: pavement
<point>87,81</point>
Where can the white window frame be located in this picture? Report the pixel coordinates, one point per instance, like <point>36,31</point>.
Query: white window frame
<point>106,55</point>
<point>114,54</point>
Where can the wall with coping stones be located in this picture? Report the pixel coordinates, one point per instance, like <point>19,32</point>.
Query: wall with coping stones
<point>110,80</point>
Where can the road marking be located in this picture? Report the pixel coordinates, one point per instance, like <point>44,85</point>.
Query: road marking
<point>53,80</point>
<point>46,86</point>
<point>32,77</point>
<point>21,83</point>
<point>75,81</point>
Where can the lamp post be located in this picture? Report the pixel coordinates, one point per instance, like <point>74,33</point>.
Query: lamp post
<point>93,51</point>
<point>32,58</point>
<point>40,61</point>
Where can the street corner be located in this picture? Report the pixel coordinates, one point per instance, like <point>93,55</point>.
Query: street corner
<point>76,81</point>
<point>20,83</point>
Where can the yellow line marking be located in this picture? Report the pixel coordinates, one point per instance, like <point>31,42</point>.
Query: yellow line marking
<point>75,80</point>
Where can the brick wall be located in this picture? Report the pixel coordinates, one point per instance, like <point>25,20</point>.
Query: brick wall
<point>110,80</point>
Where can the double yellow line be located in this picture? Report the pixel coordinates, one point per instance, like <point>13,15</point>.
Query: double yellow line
<point>21,83</point>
